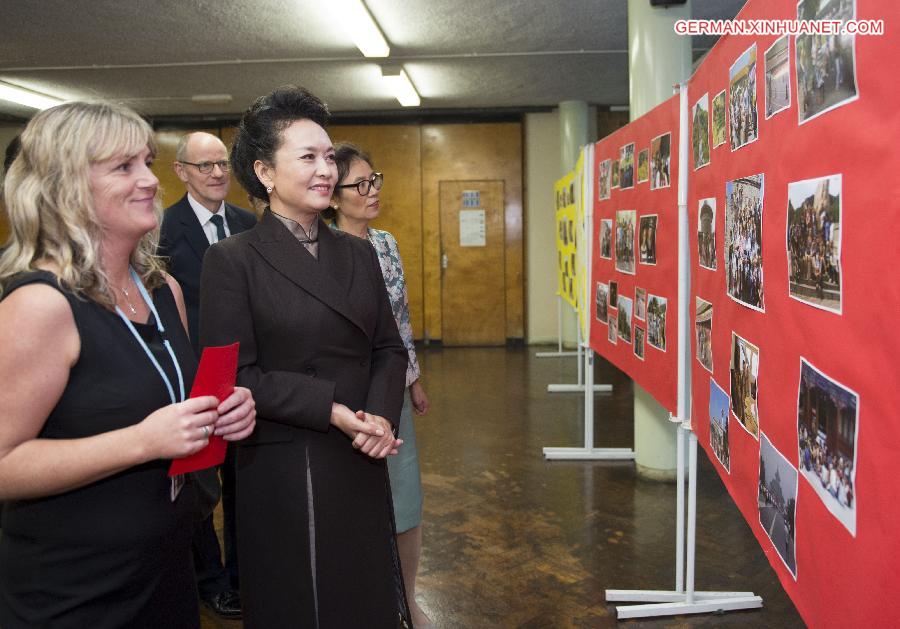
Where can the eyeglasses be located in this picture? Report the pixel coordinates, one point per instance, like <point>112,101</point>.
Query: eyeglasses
<point>207,167</point>
<point>363,187</point>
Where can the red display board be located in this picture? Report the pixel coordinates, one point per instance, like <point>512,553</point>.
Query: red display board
<point>794,377</point>
<point>635,231</point>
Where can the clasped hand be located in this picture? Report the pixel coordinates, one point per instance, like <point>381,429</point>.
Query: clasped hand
<point>370,434</point>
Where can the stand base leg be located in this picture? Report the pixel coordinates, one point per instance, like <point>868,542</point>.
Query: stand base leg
<point>670,603</point>
<point>554,354</point>
<point>577,388</point>
<point>589,454</point>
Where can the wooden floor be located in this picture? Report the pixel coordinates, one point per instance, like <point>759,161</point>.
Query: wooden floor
<point>511,540</point>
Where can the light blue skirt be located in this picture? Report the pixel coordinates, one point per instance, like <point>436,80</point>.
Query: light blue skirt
<point>403,468</point>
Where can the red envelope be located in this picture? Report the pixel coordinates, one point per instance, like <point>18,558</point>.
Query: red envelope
<point>215,376</point>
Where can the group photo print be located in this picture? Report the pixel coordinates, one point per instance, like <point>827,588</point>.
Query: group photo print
<point>814,242</point>
<point>743,238</point>
<point>743,117</point>
<point>827,422</point>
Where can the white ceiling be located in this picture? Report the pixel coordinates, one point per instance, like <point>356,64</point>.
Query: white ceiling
<point>460,54</point>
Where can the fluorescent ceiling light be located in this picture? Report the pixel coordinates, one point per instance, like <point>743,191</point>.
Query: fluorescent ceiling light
<point>212,99</point>
<point>25,97</point>
<point>361,27</point>
<point>399,83</point>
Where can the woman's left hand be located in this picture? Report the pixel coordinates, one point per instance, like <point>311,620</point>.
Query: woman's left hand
<point>237,415</point>
<point>418,397</point>
<point>375,446</point>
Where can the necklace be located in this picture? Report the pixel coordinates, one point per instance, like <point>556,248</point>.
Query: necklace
<point>128,300</point>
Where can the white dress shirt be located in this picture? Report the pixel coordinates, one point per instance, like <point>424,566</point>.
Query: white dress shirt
<point>203,215</point>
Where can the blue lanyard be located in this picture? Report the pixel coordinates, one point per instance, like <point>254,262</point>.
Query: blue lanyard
<point>159,326</point>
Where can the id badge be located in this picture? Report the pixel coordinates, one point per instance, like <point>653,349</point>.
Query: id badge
<point>177,484</point>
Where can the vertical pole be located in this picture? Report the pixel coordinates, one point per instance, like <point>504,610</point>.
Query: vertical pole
<point>559,325</point>
<point>679,517</point>
<point>580,350</point>
<point>691,516</point>
<point>589,399</point>
<point>684,267</point>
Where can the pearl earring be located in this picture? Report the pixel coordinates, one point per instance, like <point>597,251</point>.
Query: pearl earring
<point>269,190</point>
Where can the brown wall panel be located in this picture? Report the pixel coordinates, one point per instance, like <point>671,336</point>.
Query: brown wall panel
<point>473,151</point>
<point>395,150</point>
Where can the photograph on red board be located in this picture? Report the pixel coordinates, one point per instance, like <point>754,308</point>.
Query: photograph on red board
<point>700,132</point>
<point>703,327</point>
<point>624,318</point>
<point>614,177</point>
<point>643,166</point>
<point>606,238</point>
<point>826,64</point>
<point>639,342</point>
<point>743,238</point>
<point>706,234</point>
<point>744,118</point>
<point>640,304</point>
<point>814,242</point>
<point>744,383</point>
<point>827,427</point>
<point>625,224</point>
<point>718,119</point>
<point>602,301</point>
<point>647,239</point>
<point>656,322</point>
<point>778,77</point>
<point>613,294</point>
<point>603,179</point>
<point>718,424</point>
<point>626,166</point>
<point>777,501</point>
<point>613,332</point>
<point>660,149</point>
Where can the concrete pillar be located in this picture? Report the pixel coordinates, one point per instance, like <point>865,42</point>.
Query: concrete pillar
<point>573,134</point>
<point>658,59</point>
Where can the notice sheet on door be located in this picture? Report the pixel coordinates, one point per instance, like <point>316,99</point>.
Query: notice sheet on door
<point>471,228</point>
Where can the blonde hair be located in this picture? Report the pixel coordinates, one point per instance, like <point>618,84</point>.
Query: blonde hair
<point>48,196</point>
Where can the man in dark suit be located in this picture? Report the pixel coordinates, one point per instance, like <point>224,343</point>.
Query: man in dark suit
<point>189,227</point>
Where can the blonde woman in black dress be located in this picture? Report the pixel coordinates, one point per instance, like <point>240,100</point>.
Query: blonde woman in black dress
<point>96,363</point>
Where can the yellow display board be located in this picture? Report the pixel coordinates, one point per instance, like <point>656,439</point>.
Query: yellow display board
<point>566,239</point>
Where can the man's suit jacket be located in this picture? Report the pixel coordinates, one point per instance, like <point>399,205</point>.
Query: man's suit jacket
<point>312,332</point>
<point>183,241</point>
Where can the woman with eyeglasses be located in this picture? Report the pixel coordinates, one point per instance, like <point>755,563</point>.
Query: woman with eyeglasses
<point>354,204</point>
<point>321,353</point>
<point>96,365</point>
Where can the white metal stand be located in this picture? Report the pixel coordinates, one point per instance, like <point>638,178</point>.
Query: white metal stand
<point>588,452</point>
<point>559,335</point>
<point>579,387</point>
<point>683,600</point>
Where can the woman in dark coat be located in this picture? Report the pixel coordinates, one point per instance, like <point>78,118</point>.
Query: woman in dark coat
<point>322,355</point>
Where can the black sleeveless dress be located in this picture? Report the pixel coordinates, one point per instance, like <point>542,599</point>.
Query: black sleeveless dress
<point>115,553</point>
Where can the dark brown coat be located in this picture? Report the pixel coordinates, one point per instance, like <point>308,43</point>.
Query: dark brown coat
<point>314,520</point>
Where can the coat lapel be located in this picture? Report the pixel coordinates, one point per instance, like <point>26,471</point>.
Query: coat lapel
<point>328,279</point>
<point>193,232</point>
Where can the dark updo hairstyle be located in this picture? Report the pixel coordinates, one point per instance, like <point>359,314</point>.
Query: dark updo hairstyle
<point>344,154</point>
<point>259,133</point>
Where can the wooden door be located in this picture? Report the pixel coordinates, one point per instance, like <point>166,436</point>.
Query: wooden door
<point>473,295</point>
